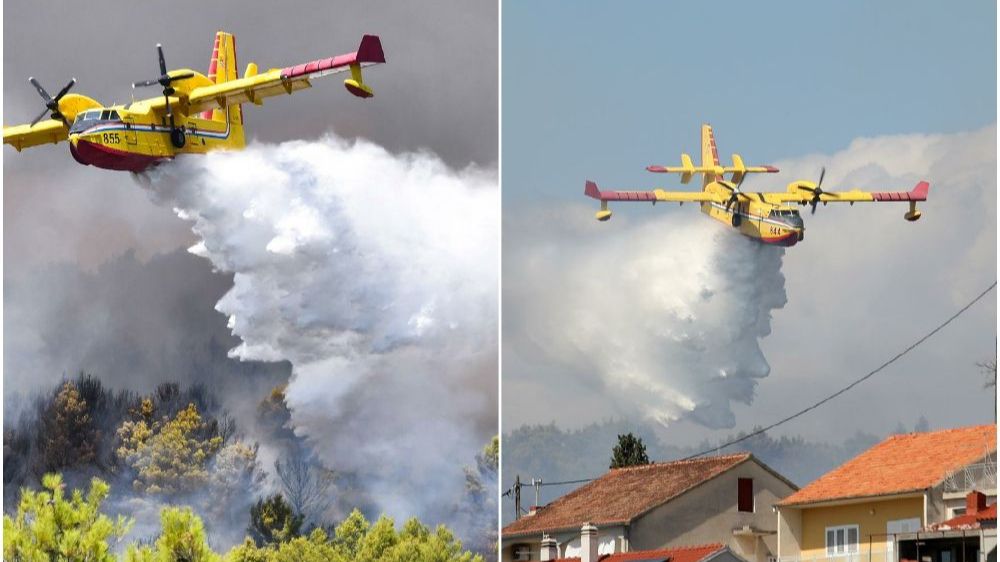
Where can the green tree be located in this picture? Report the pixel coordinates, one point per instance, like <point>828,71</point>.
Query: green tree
<point>630,451</point>
<point>355,540</point>
<point>182,539</point>
<point>50,526</point>
<point>272,520</point>
<point>169,456</point>
<point>68,434</point>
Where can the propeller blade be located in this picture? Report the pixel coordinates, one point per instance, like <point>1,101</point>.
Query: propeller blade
<point>822,172</point>
<point>41,91</point>
<point>145,83</point>
<point>813,205</point>
<point>65,89</point>
<point>39,118</point>
<point>163,62</point>
<point>183,76</point>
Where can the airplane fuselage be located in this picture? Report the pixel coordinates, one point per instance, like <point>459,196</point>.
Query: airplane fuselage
<point>114,138</point>
<point>778,225</point>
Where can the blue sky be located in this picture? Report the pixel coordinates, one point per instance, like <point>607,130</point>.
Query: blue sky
<point>600,92</point>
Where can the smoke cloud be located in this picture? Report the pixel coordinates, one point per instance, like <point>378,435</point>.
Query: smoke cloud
<point>664,317</point>
<point>374,274</point>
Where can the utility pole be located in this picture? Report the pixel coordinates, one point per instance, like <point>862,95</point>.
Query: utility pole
<point>517,497</point>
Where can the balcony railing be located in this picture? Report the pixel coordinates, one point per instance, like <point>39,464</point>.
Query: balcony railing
<point>979,476</point>
<point>877,553</point>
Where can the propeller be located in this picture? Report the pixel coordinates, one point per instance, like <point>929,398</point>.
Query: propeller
<point>166,81</point>
<point>51,103</point>
<point>734,197</point>
<point>816,191</point>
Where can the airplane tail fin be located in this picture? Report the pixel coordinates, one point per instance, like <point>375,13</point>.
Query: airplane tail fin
<point>223,68</point>
<point>709,153</point>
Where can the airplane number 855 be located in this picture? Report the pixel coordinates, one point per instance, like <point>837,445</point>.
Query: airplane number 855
<point>110,138</point>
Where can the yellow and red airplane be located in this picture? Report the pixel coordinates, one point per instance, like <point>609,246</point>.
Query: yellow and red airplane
<point>763,216</point>
<point>196,113</point>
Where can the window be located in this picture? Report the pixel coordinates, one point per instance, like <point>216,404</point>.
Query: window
<point>744,500</point>
<point>105,115</point>
<point>841,540</point>
<point>114,115</point>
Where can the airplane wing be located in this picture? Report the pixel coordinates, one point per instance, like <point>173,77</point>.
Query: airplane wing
<point>277,81</point>
<point>804,192</point>
<point>43,132</point>
<point>591,190</point>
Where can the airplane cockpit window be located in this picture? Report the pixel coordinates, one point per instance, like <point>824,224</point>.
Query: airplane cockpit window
<point>114,115</point>
<point>105,115</point>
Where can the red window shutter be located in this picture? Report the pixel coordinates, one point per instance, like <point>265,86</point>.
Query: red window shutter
<point>745,498</point>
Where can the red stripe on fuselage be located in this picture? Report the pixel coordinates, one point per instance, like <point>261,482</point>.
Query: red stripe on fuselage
<point>93,154</point>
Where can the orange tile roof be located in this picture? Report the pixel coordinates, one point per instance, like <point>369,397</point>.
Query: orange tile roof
<point>901,464</point>
<point>968,520</point>
<point>679,554</point>
<point>623,493</point>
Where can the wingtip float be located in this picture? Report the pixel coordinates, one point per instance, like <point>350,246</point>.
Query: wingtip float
<point>764,216</point>
<point>195,114</point>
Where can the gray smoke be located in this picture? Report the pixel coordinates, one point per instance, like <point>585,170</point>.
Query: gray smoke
<point>375,275</point>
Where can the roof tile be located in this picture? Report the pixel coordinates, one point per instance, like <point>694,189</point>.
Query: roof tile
<point>902,463</point>
<point>679,554</point>
<point>623,493</point>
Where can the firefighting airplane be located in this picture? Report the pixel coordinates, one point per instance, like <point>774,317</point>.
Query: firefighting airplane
<point>761,216</point>
<point>196,114</point>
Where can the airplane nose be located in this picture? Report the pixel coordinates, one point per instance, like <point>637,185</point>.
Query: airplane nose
<point>74,138</point>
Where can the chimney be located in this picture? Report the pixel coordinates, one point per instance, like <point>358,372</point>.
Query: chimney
<point>975,502</point>
<point>588,543</point>
<point>549,550</point>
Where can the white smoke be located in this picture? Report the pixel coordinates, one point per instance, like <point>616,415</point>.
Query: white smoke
<point>375,275</point>
<point>663,316</point>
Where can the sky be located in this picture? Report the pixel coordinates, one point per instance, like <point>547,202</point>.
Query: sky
<point>881,94</point>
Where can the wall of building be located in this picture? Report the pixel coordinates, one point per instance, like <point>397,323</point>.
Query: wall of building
<point>871,517</point>
<point>605,536</point>
<point>708,514</point>
<point>789,532</point>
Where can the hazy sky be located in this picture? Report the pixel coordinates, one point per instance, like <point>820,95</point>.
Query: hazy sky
<point>882,94</point>
<point>437,92</point>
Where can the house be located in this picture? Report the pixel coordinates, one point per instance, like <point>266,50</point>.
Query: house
<point>968,537</point>
<point>724,499</point>
<point>901,485</point>
<point>701,553</point>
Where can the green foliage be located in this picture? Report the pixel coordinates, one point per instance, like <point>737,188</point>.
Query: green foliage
<point>272,520</point>
<point>50,526</point>
<point>182,539</point>
<point>491,453</point>
<point>630,451</point>
<point>169,456</point>
<point>356,540</point>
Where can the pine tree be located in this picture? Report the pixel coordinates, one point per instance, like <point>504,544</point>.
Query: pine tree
<point>630,451</point>
<point>272,520</point>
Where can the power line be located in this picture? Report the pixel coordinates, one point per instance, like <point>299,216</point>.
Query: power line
<point>787,419</point>
<point>896,357</point>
